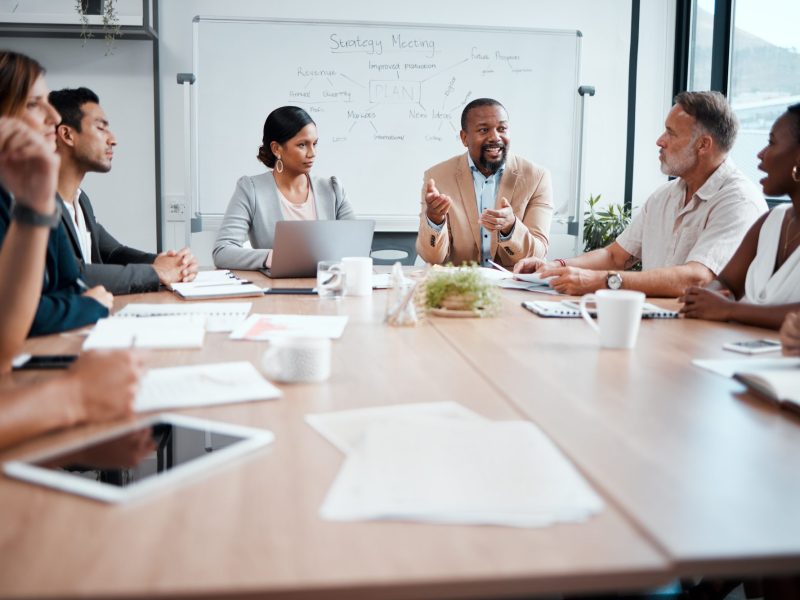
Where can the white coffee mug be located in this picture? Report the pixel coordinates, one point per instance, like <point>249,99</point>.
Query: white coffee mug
<point>298,359</point>
<point>358,274</point>
<point>619,313</point>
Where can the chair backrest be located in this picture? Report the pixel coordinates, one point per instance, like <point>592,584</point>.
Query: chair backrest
<point>389,247</point>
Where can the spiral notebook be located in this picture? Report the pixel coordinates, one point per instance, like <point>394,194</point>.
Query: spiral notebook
<point>567,309</point>
<point>220,316</point>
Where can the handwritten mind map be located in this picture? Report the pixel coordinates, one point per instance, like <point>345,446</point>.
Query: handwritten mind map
<point>401,79</point>
<point>387,99</point>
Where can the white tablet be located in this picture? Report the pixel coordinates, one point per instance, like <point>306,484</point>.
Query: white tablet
<point>129,461</point>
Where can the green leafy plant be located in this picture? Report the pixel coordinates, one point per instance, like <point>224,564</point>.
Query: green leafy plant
<point>463,288</point>
<point>601,227</point>
<point>111,25</point>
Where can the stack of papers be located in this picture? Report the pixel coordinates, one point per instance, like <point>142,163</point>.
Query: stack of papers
<point>267,327</point>
<point>453,467</point>
<point>167,332</point>
<point>202,385</point>
<point>216,284</point>
<point>517,281</point>
<point>220,316</point>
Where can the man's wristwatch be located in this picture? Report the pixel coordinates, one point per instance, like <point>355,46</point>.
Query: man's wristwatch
<point>27,216</point>
<point>613,280</point>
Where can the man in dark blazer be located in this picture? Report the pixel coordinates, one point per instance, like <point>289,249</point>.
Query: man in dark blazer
<point>86,144</point>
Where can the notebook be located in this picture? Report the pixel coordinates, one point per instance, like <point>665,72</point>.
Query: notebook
<point>220,316</point>
<point>215,285</point>
<point>570,309</point>
<point>300,245</point>
<point>777,385</point>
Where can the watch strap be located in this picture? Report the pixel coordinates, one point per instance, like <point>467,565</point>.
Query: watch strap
<point>27,216</point>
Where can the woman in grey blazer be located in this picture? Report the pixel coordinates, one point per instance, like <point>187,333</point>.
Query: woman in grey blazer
<point>287,192</point>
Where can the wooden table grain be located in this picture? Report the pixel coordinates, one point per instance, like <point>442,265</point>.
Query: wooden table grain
<point>252,529</point>
<point>704,468</point>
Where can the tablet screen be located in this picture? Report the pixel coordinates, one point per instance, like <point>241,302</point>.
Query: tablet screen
<point>137,458</point>
<point>143,453</point>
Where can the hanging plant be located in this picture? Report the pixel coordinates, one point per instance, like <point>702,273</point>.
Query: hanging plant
<point>111,25</point>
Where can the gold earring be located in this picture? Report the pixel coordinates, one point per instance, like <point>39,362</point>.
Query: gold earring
<point>279,165</point>
<point>795,174</point>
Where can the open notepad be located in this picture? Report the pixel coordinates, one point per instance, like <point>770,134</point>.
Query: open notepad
<point>165,332</point>
<point>776,379</point>
<point>220,316</point>
<point>570,309</point>
<point>202,385</point>
<point>214,285</point>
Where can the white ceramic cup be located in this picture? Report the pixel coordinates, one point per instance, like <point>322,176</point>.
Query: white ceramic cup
<point>298,359</point>
<point>330,279</point>
<point>619,313</point>
<point>358,274</point>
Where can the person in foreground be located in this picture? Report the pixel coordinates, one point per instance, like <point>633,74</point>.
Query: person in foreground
<point>761,284</point>
<point>486,204</point>
<point>97,387</point>
<point>688,229</point>
<point>86,145</point>
<point>63,304</point>
<point>286,193</point>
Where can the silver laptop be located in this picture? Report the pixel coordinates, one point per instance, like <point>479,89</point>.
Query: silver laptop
<point>300,245</point>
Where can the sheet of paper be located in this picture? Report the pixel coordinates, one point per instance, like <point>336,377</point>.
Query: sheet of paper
<point>265,327</point>
<point>202,385</point>
<point>381,281</point>
<point>220,316</point>
<point>727,367</point>
<point>177,331</point>
<point>516,284</point>
<point>459,471</point>
<point>217,276</point>
<point>346,428</point>
<point>222,289</point>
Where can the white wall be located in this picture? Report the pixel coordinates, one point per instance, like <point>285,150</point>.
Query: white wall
<point>124,199</point>
<point>605,25</point>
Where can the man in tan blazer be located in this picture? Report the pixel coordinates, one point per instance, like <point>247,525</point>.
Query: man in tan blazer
<point>486,204</point>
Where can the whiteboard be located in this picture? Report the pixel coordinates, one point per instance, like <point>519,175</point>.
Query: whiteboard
<point>387,99</point>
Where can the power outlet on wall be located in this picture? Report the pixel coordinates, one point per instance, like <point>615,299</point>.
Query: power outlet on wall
<point>175,208</point>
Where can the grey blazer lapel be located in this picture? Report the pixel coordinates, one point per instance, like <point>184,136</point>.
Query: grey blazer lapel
<point>324,198</point>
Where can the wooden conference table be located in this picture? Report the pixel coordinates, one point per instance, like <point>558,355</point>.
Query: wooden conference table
<point>697,479</point>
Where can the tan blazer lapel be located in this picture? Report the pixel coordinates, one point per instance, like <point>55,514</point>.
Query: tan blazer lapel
<point>508,185</point>
<point>466,189</point>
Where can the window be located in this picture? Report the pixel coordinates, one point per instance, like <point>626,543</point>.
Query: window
<point>700,45</point>
<point>764,72</point>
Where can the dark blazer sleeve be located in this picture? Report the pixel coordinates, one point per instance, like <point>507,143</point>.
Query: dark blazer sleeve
<point>118,268</point>
<point>61,306</point>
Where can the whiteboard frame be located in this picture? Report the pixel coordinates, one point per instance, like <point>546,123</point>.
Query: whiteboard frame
<point>384,222</point>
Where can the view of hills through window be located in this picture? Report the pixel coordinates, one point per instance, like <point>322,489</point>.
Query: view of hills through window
<point>764,68</point>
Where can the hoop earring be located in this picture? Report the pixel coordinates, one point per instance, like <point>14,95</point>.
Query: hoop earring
<point>279,165</point>
<point>795,174</point>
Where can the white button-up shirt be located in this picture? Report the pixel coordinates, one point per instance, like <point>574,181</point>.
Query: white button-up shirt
<point>707,229</point>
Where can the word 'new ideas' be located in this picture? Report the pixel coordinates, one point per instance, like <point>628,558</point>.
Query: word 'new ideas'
<point>338,43</point>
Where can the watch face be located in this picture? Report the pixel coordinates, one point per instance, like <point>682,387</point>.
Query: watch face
<point>614,281</point>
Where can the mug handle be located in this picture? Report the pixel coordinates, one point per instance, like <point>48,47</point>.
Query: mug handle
<point>585,299</point>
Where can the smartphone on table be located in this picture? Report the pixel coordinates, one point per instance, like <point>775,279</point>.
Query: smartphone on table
<point>753,346</point>
<point>45,361</point>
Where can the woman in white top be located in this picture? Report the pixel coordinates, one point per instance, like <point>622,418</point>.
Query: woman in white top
<point>286,193</point>
<point>761,283</point>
